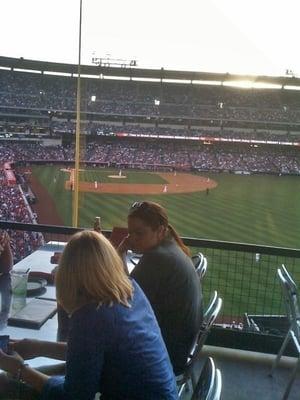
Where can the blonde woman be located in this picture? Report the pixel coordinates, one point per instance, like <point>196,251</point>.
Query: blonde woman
<point>114,346</point>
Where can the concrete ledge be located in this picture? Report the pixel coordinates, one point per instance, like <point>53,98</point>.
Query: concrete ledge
<point>247,356</point>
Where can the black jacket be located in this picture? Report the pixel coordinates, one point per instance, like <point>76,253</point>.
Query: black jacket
<point>169,280</point>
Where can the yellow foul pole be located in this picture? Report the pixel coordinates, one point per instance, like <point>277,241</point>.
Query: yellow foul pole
<point>77,139</point>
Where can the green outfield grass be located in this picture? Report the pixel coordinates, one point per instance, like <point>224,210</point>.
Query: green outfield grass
<point>103,176</point>
<point>251,209</point>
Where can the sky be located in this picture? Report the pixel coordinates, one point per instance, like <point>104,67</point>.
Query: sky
<point>234,36</point>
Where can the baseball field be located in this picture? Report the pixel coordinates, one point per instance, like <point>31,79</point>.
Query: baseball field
<point>259,209</point>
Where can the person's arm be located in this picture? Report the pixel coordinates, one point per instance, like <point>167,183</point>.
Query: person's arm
<point>31,348</point>
<point>122,249</point>
<point>14,364</point>
<point>33,377</point>
<point>124,246</point>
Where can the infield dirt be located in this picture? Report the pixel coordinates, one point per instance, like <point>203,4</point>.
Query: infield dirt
<point>179,183</point>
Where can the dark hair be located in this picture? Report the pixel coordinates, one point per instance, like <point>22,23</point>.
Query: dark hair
<point>154,215</point>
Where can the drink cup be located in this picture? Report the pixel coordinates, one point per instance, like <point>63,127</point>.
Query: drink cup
<point>5,299</point>
<point>19,281</point>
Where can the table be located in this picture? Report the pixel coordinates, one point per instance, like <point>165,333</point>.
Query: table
<point>46,332</point>
<point>38,262</point>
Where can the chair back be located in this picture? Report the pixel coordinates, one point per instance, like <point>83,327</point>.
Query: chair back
<point>213,309</point>
<point>200,264</point>
<point>209,318</point>
<point>209,384</point>
<point>291,298</point>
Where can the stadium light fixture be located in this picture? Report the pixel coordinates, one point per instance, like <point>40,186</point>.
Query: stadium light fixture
<point>57,73</point>
<point>239,84</point>
<point>182,81</point>
<point>116,78</point>
<point>85,76</point>
<point>291,87</point>
<point>263,85</point>
<point>145,79</point>
<point>93,98</point>
<point>30,71</point>
<point>200,82</point>
<point>251,85</point>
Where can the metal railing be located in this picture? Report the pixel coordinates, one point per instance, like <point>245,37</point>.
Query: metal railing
<point>243,274</point>
<point>245,277</point>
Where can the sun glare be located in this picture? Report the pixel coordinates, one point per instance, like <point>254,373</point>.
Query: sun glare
<point>216,83</point>
<point>291,87</point>
<point>251,85</point>
<point>240,84</point>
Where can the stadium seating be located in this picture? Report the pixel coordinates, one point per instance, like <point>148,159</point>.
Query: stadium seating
<point>209,385</point>
<point>48,97</point>
<point>161,155</point>
<point>123,123</point>
<point>291,297</point>
<point>209,318</point>
<point>200,263</point>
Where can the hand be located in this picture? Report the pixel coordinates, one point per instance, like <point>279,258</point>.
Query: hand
<point>27,348</point>
<point>124,245</point>
<point>10,362</point>
<point>53,272</point>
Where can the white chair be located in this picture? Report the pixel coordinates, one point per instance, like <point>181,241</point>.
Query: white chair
<point>209,385</point>
<point>209,318</point>
<point>200,264</point>
<point>291,297</point>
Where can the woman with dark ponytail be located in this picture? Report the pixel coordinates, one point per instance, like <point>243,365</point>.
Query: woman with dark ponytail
<point>167,276</point>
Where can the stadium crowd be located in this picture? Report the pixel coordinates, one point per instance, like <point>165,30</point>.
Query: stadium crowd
<point>15,208</point>
<point>151,99</point>
<point>151,154</point>
<point>132,154</point>
<point>97,128</point>
<point>38,101</point>
<point>59,128</point>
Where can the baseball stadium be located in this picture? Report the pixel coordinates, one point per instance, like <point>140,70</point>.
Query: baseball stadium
<point>224,161</point>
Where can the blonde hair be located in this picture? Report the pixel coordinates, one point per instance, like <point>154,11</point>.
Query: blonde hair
<point>90,270</point>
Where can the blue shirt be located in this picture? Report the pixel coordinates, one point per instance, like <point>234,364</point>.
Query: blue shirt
<point>115,350</point>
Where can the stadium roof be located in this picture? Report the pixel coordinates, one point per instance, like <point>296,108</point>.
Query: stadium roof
<point>141,73</point>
